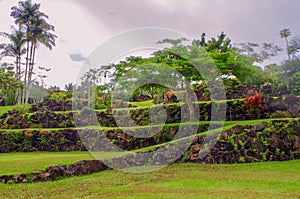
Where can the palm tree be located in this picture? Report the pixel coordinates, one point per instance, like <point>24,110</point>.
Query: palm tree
<point>8,83</point>
<point>41,32</point>
<point>70,87</point>
<point>32,22</point>
<point>14,49</point>
<point>285,33</point>
<point>22,15</point>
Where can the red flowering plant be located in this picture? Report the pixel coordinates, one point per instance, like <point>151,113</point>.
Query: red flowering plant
<point>253,105</point>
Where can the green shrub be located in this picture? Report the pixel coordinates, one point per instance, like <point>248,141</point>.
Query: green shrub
<point>242,160</point>
<point>58,96</point>
<point>22,108</point>
<point>100,106</point>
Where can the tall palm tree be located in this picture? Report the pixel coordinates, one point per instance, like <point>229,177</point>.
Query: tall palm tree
<point>41,32</point>
<point>23,13</point>
<point>30,20</point>
<point>285,33</point>
<point>14,49</point>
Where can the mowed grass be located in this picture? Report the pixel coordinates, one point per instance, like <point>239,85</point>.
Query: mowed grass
<point>143,104</point>
<point>16,163</point>
<point>5,109</point>
<point>258,180</point>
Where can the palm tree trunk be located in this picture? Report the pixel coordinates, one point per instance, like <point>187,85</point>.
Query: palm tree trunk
<point>19,79</point>
<point>26,71</point>
<point>30,72</point>
<point>17,92</point>
<point>287,48</point>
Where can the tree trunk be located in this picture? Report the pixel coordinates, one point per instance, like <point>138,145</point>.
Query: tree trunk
<point>30,72</point>
<point>189,100</point>
<point>17,79</point>
<point>25,76</point>
<point>89,95</point>
<point>287,48</point>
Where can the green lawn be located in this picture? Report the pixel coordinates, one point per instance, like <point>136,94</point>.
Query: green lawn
<point>143,104</point>
<point>258,180</point>
<point>15,163</point>
<point>5,109</point>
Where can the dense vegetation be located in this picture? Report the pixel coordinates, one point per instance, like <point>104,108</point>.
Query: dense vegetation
<point>120,112</point>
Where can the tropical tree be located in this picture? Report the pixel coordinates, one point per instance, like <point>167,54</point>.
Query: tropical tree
<point>256,53</point>
<point>294,46</point>
<point>14,49</point>
<point>250,75</point>
<point>285,33</point>
<point>41,33</point>
<point>36,29</point>
<point>181,58</point>
<point>248,57</point>
<point>201,55</point>
<point>8,84</point>
<point>53,89</point>
<point>272,73</point>
<point>289,74</point>
<point>38,92</point>
<point>220,50</point>
<point>70,87</point>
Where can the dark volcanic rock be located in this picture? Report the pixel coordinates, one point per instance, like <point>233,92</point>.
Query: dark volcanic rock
<point>85,167</point>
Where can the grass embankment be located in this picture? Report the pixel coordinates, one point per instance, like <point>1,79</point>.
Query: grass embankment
<point>226,124</point>
<point>22,108</point>
<point>257,180</point>
<point>16,163</point>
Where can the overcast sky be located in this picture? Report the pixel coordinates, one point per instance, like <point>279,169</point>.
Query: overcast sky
<point>82,25</point>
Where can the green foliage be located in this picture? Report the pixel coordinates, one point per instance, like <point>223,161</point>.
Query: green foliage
<point>295,83</point>
<point>242,160</point>
<point>242,144</point>
<point>250,75</point>
<point>221,43</point>
<point>264,154</point>
<point>231,140</point>
<point>37,93</point>
<point>100,106</point>
<point>290,75</point>
<point>8,85</point>
<point>58,96</point>
<point>70,87</point>
<point>22,108</point>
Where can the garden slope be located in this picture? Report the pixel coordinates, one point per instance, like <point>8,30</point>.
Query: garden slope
<point>277,140</point>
